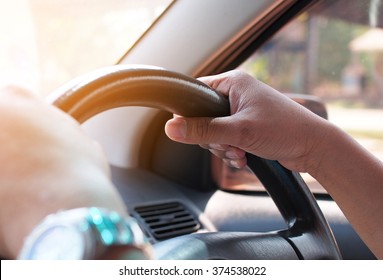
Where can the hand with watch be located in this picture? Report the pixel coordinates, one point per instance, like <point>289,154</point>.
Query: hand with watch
<point>84,233</point>
<point>56,197</point>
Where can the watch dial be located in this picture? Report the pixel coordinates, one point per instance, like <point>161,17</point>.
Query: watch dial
<point>59,243</point>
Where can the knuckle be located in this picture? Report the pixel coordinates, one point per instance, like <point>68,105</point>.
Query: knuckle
<point>202,130</point>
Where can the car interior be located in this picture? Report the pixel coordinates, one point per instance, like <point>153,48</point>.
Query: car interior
<point>189,204</point>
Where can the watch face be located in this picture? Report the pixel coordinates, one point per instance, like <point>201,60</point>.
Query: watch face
<point>58,243</point>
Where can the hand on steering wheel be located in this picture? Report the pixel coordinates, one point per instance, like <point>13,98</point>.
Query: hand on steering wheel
<point>308,235</point>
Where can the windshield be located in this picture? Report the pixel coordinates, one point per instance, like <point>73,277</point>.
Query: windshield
<point>45,43</point>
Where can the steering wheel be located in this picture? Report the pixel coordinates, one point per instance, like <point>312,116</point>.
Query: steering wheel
<point>308,235</point>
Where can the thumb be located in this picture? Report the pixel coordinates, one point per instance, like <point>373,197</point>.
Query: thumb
<point>197,130</point>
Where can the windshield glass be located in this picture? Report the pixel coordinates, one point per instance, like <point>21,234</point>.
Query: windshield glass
<point>45,43</point>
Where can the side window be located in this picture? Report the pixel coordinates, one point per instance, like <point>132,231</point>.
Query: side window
<point>333,52</point>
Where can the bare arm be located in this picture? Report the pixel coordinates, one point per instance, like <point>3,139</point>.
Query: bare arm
<point>354,178</point>
<point>46,164</point>
<point>268,124</point>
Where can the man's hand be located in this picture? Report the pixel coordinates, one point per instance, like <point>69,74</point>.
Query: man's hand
<point>263,122</point>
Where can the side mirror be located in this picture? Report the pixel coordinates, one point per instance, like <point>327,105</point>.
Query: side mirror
<point>313,103</point>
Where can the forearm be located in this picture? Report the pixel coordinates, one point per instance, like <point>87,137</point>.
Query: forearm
<point>354,178</point>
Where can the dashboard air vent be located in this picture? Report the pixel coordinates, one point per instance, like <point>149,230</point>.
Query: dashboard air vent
<point>167,220</point>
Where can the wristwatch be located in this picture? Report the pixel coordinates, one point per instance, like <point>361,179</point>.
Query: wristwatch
<point>82,233</point>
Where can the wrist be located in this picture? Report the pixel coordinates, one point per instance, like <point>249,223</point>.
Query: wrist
<point>329,145</point>
<point>321,140</point>
<point>84,233</point>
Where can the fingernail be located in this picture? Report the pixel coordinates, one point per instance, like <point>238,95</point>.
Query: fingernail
<point>231,155</point>
<point>176,128</point>
<point>234,164</point>
<point>216,147</point>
